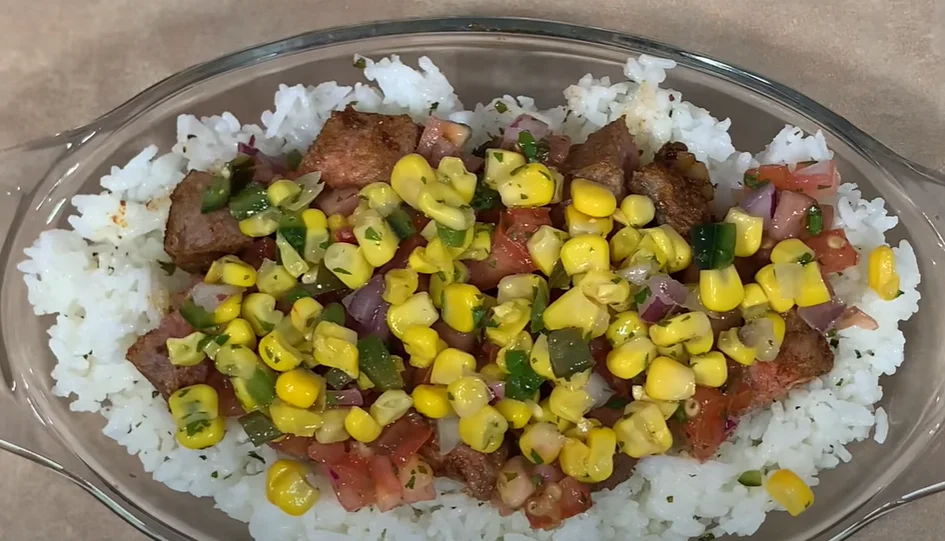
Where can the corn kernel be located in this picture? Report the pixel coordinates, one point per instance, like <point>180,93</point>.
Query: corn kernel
<point>390,406</point>
<point>408,177</point>
<point>755,303</point>
<point>240,332</point>
<point>336,222</point>
<point>235,272</point>
<point>337,353</point>
<point>631,358</point>
<point>468,395</point>
<point>599,463</point>
<point>361,425</point>
<point>791,251</point>
<point>710,369</point>
<point>604,287</point>
<point>766,278</point>
<point>530,185</point>
<point>584,253</point>
<point>579,223</point>
<point>377,241</point>
<point>481,245</point>
<point>544,247</point>
<point>443,204</point>
<point>292,420</point>
<point>625,326</point>
<point>493,372</point>
<point>519,286</point>
<point>643,432</point>
<point>748,231</point>
<point>299,387</point>
<point>304,314</point>
<point>201,434</point>
<point>721,290</point>
<point>883,277</point>
<point>592,199</point>
<point>288,489</point>
<point>637,210</point>
<point>453,171</point>
<point>422,344</point>
<point>431,401</point>
<point>347,262</point>
<point>381,197</point>
<point>483,431</point>
<point>463,308</point>
<point>569,404</point>
<point>731,345</point>
<point>418,309</point>
<point>573,459</point>
<point>276,351</point>
<point>450,365</point>
<point>499,166</point>
<point>516,412</point>
<point>682,328</point>
<point>541,443</point>
<point>789,490</point>
<point>813,290</point>
<point>508,319</point>
<point>186,351</point>
<point>778,325</point>
<point>667,379</point>
<point>574,309</point>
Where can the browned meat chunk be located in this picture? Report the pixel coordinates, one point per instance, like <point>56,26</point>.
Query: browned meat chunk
<point>356,149</point>
<point>193,239</point>
<point>149,355</point>
<point>478,471</point>
<point>804,355</point>
<point>608,157</point>
<point>679,187</point>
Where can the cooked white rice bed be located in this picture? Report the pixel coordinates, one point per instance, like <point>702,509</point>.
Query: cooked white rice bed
<point>102,280</point>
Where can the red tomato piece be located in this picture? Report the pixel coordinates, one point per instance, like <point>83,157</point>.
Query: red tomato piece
<point>386,484</point>
<point>402,439</point>
<point>509,251</point>
<point>575,497</point>
<point>834,252</point>
<point>416,480</point>
<point>345,234</point>
<point>352,482</point>
<point>706,430</point>
<point>327,453</point>
<point>817,179</point>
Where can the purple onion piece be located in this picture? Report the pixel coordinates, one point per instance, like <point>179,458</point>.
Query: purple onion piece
<point>497,388</point>
<point>367,306</point>
<point>760,202</point>
<point>532,125</point>
<point>824,316</point>
<point>248,148</point>
<point>345,397</point>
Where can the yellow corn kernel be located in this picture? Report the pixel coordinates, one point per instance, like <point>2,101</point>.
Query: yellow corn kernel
<point>508,319</point>
<point>361,425</point>
<point>813,290</point>
<point>789,490</point>
<point>418,309</point>
<point>399,285</point>
<point>604,287</point>
<point>364,382</point>
<point>336,222</point>
<point>791,251</point>
<point>201,434</point>
<point>376,239</point>
<point>755,303</point>
<point>569,404</point>
<point>450,365</point>
<point>519,286</point>
<point>347,262</point>
<point>259,310</point>
<point>193,404</point>
<point>721,290</point>
<point>574,309</point>
<point>541,443</point>
<point>330,328</point>
<point>408,177</point>
<point>778,325</point>
<point>731,345</point>
<point>332,428</point>
<point>261,224</point>
<point>293,420</point>
<point>585,253</point>
<point>681,328</point>
<point>769,283</point>
<point>337,353</point>
<point>883,278</point>
<point>299,387</point>
<point>667,379</point>
<point>314,219</point>
<point>643,431</point>
<point>710,369</point>
<point>288,489</point>
<point>434,257</point>
<point>468,395</point>
<point>235,272</point>
<point>481,245</point>
<point>499,166</point>
<point>516,412</point>
<point>540,359</point>
<point>530,185</point>
<point>579,223</point>
<point>573,459</point>
<point>186,351</point>
<point>492,372</point>
<point>548,416</point>
<point>592,199</point>
<point>625,326</point>
<point>544,247</point>
<point>462,308</point>
<point>276,351</point>
<point>381,197</point>
<point>452,171</point>
<point>599,463</point>
<point>637,210</point>
<point>748,231</point>
<point>422,344</point>
<point>240,332</point>
<point>443,204</point>
<point>304,314</point>
<point>631,358</point>
<point>418,262</point>
<point>431,401</point>
<point>677,352</point>
<point>682,257</point>
<point>390,406</point>
<point>484,431</point>
<point>274,279</point>
<point>624,243</point>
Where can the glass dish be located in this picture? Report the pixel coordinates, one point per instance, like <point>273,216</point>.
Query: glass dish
<point>483,57</point>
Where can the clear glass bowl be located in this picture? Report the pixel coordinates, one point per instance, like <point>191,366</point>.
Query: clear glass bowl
<point>482,57</point>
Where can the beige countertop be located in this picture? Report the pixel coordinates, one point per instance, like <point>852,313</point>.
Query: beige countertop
<point>879,63</point>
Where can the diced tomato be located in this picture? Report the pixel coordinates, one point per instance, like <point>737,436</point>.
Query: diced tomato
<point>399,261</point>
<point>294,446</point>
<point>818,179</point>
<point>352,482</point>
<point>260,250</point>
<point>345,234</point>
<point>327,453</point>
<point>706,430</point>
<point>553,503</point>
<point>575,497</point>
<point>416,480</point>
<point>404,438</point>
<point>834,252</point>
<point>386,484</point>
<point>229,405</point>
<point>509,251</point>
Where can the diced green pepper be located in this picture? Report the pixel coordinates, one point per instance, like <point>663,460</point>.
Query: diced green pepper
<point>569,353</point>
<point>539,304</point>
<point>259,428</point>
<point>750,478</point>
<point>713,245</point>
<point>252,200</point>
<point>375,361</point>
<point>217,193</point>
<point>402,224</point>
<point>485,198</point>
<point>334,313</point>
<point>337,378</point>
<point>522,382</point>
<point>293,229</point>
<point>319,280</point>
<point>451,237</point>
<point>815,220</point>
<point>559,277</point>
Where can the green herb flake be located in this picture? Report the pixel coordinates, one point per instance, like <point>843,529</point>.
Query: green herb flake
<point>815,220</point>
<point>536,458</point>
<point>360,63</point>
<point>501,107</point>
<point>510,476</point>
<point>254,454</point>
<point>339,270</point>
<point>410,484</point>
<point>197,427</point>
<point>167,267</point>
<point>499,156</point>
<point>215,475</point>
<point>805,259</point>
<point>900,293</point>
<point>753,181</point>
<point>433,107</point>
<point>371,234</point>
<point>641,296</point>
<point>479,316</point>
<point>669,499</point>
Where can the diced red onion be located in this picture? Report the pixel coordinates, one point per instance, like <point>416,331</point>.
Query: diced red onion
<point>497,388</point>
<point>731,424</point>
<point>268,168</point>
<point>248,148</point>
<point>341,201</point>
<point>345,397</point>
<point>598,389</point>
<point>760,202</point>
<point>211,296</point>
<point>447,434</point>
<point>367,306</point>
<point>442,138</point>
<point>790,216</point>
<point>665,294</point>
<point>854,317</point>
<point>535,127</point>
<point>822,317</point>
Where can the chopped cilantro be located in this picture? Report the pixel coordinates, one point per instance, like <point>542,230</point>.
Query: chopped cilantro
<point>253,454</point>
<point>371,234</point>
<point>411,482</point>
<point>536,458</point>
<point>167,267</point>
<point>805,259</point>
<point>641,296</point>
<point>499,157</point>
<point>753,181</point>
<point>360,63</point>
<point>339,270</point>
<point>500,107</point>
<point>433,106</point>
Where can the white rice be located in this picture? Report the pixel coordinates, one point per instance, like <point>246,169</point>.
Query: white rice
<point>102,281</point>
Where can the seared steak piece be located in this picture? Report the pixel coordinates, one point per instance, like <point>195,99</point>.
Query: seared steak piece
<point>679,186</point>
<point>805,355</point>
<point>609,156</point>
<point>478,471</point>
<point>193,239</point>
<point>356,149</point>
<point>149,355</point>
